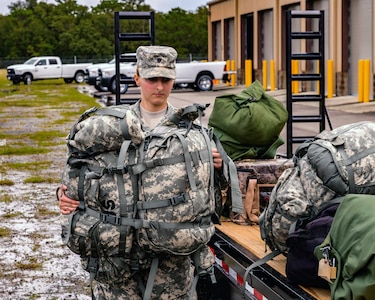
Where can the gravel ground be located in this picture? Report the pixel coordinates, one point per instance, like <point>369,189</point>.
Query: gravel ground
<point>34,263</point>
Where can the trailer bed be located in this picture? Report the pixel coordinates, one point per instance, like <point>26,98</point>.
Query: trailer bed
<point>236,247</point>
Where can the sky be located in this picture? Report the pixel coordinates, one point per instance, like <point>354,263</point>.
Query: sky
<point>158,5</point>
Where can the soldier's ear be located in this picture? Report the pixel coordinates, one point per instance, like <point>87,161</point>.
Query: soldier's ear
<point>136,79</point>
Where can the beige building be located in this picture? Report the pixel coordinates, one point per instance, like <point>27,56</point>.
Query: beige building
<point>255,30</point>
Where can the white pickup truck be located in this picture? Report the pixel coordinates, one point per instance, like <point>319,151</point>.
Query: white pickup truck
<point>196,75</point>
<point>46,67</point>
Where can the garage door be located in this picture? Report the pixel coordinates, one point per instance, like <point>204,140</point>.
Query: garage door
<point>360,39</point>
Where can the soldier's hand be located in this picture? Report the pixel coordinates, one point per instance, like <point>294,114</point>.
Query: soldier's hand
<point>66,204</point>
<point>218,161</point>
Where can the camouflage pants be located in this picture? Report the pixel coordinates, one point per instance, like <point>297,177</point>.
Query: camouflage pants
<point>173,280</point>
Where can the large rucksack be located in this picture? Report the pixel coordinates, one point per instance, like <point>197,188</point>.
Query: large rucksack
<point>140,193</point>
<point>101,147</point>
<point>333,164</point>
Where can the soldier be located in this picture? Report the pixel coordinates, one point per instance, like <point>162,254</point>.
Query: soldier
<point>155,76</point>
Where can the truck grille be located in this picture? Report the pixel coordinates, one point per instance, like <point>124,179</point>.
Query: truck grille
<point>11,72</point>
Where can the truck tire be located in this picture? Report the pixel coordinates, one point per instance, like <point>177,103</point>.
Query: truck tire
<point>204,83</point>
<point>79,77</point>
<point>123,87</point>
<point>27,78</point>
<point>100,88</point>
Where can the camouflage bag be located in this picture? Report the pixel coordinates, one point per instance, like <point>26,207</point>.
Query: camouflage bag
<point>102,146</point>
<point>344,158</point>
<point>176,187</point>
<point>125,188</point>
<point>333,164</point>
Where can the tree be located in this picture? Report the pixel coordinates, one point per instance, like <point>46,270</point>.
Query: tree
<point>68,29</point>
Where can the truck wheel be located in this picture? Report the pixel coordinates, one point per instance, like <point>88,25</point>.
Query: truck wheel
<point>79,77</point>
<point>123,87</point>
<point>182,85</point>
<point>204,83</point>
<point>100,88</point>
<point>27,78</point>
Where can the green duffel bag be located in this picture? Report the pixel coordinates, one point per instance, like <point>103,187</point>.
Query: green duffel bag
<point>238,151</point>
<point>350,249</point>
<point>250,118</point>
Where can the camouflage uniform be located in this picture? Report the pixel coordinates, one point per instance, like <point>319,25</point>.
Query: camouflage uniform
<point>174,276</point>
<point>126,276</point>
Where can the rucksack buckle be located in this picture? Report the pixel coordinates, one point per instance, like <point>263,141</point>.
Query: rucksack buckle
<point>177,199</point>
<point>92,265</point>
<point>111,219</point>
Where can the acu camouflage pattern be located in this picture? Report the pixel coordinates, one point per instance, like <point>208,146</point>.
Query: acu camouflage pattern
<point>87,235</point>
<point>344,158</point>
<point>103,130</point>
<point>188,223</point>
<point>287,203</point>
<point>100,192</point>
<point>173,281</point>
<point>156,61</point>
<point>334,164</point>
<point>94,175</point>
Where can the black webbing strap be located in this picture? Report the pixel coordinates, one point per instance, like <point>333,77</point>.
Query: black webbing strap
<point>204,222</point>
<point>115,220</point>
<point>173,201</point>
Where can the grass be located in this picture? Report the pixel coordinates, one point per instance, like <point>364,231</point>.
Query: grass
<point>52,106</point>
<point>4,232</point>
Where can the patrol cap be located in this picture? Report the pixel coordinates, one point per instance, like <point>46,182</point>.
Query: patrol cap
<point>156,61</point>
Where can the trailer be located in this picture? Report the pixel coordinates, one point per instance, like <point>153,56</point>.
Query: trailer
<point>236,247</point>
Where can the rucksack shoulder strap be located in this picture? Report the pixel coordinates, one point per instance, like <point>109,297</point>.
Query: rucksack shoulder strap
<point>230,173</point>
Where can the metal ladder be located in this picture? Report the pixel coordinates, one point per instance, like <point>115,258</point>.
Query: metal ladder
<point>316,76</point>
<point>126,37</point>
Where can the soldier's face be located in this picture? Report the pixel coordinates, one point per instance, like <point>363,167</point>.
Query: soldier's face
<point>154,92</point>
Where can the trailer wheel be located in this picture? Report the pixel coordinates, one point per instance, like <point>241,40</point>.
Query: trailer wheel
<point>204,83</point>
<point>79,77</point>
<point>27,78</point>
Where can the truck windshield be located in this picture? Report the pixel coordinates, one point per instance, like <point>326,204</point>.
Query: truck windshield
<point>31,61</point>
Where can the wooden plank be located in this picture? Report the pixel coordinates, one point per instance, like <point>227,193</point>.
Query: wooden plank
<point>249,238</point>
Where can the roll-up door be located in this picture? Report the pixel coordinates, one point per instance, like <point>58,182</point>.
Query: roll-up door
<point>360,39</point>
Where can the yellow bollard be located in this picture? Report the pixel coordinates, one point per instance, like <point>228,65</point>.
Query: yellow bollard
<point>229,76</point>
<point>233,77</point>
<point>366,80</point>
<point>318,72</point>
<point>330,79</point>
<point>248,72</point>
<point>272,74</point>
<point>264,71</point>
<point>295,84</point>
<point>360,80</point>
